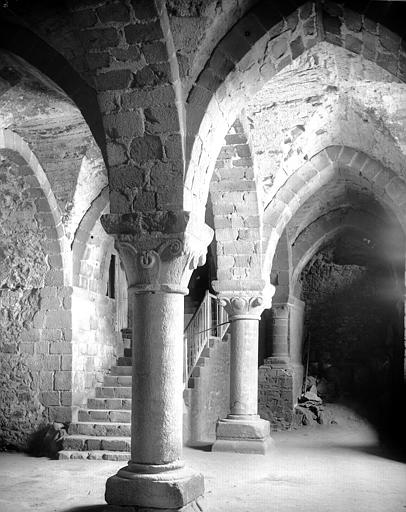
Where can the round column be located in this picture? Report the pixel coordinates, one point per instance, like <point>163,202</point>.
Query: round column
<point>156,429</point>
<point>159,251</point>
<point>280,334</point>
<point>243,430</point>
<point>244,366</point>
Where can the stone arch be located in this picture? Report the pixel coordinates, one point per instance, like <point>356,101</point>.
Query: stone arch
<point>323,230</point>
<point>236,209</point>
<point>282,270</point>
<point>24,43</point>
<point>254,51</point>
<point>83,233</point>
<point>320,169</point>
<point>48,209</point>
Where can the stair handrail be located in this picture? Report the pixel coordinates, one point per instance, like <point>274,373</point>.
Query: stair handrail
<point>200,328</point>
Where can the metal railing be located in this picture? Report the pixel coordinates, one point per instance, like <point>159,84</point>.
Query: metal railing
<point>210,320</point>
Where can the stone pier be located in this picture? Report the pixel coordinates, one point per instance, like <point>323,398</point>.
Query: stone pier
<point>158,268</point>
<point>281,375</point>
<point>243,430</point>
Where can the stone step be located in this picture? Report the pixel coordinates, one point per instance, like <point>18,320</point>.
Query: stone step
<point>109,403</point>
<point>121,370</point>
<point>117,380</point>
<point>108,443</point>
<point>100,428</point>
<point>124,361</point>
<point>115,416</point>
<point>94,455</point>
<point>113,392</point>
<point>128,352</point>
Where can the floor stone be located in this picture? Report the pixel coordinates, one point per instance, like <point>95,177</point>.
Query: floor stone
<point>321,469</point>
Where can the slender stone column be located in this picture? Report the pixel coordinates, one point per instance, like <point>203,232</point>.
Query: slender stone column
<point>280,335</point>
<point>281,375</point>
<point>159,251</point>
<point>243,430</point>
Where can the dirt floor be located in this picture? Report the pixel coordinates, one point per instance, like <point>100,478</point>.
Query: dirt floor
<point>335,468</point>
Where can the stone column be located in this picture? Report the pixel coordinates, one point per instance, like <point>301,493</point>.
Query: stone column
<point>280,335</point>
<point>243,430</point>
<point>159,251</point>
<point>281,375</point>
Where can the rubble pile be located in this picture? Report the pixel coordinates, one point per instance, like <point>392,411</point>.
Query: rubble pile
<point>310,408</point>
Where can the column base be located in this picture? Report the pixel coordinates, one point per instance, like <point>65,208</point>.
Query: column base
<point>243,434</point>
<point>195,506</point>
<point>177,489</point>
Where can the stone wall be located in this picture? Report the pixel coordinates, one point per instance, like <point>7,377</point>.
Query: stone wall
<point>95,344</point>
<point>275,395</point>
<point>354,327</point>
<point>209,400</point>
<point>34,308</point>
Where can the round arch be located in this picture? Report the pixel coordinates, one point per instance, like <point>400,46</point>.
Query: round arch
<point>253,52</point>
<point>48,209</point>
<point>323,167</point>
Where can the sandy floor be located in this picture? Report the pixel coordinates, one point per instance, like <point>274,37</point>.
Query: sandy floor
<point>321,469</point>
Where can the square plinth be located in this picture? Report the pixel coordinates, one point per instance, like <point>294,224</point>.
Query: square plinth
<point>243,436</point>
<point>172,490</point>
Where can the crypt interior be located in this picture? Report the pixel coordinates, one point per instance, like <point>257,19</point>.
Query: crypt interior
<point>202,231</point>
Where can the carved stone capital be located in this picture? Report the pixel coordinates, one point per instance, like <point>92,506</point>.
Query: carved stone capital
<point>159,250</point>
<point>247,303</point>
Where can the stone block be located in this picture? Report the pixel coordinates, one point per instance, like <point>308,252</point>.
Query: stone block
<point>161,119</point>
<point>160,95</point>
<point>255,428</point>
<point>353,43</point>
<point>100,38</point>
<point>388,62</point>
<point>98,60</point>
<point>172,490</point>
<point>66,398</point>
<point>146,148</point>
<point>124,124</point>
<point>200,97</point>
<point>48,398</point>
<point>296,47</point>
<point>46,380</point>
<point>141,32</point>
<point>63,380</point>
<point>155,52</point>
<point>235,46</point>
<point>60,348</point>
<point>116,12</point>
<point>60,414</point>
<point>119,79</point>
<point>54,278</point>
<point>144,10</point>
<point>58,319</point>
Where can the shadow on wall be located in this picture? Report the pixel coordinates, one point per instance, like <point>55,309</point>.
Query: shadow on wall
<point>354,345</point>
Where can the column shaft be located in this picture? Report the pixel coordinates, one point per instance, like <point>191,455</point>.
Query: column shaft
<point>156,432</point>
<point>244,366</point>
<point>280,333</point>
<point>243,430</point>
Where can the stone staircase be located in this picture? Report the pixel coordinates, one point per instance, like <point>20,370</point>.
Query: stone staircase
<point>103,429</point>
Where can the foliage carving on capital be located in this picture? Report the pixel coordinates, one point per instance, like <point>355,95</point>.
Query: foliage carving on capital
<point>160,259</point>
<point>246,303</point>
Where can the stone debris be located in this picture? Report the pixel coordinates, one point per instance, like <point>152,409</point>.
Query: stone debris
<point>310,405</point>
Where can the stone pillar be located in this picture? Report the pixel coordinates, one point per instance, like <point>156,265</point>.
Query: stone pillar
<point>243,430</point>
<point>159,251</point>
<point>280,335</point>
<point>281,375</point>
